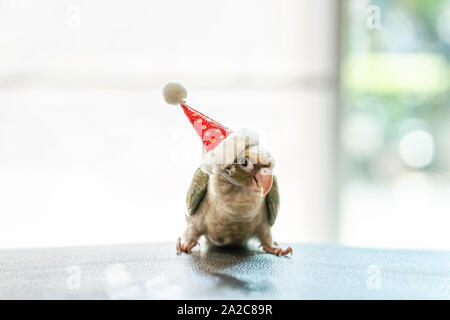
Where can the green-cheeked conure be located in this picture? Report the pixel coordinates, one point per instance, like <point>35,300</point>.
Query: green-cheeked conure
<point>234,195</point>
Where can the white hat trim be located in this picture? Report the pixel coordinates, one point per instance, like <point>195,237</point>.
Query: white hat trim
<point>227,151</point>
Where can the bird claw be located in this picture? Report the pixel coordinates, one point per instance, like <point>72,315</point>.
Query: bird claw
<point>277,250</point>
<point>185,247</point>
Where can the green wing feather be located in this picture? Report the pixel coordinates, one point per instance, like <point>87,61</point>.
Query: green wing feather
<point>273,201</point>
<point>197,190</point>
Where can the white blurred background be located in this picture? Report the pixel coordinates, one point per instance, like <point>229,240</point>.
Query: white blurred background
<point>394,189</point>
<point>355,111</point>
<point>91,154</point>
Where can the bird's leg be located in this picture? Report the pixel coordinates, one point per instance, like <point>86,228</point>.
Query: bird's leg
<point>269,246</point>
<point>276,250</point>
<point>185,246</point>
<point>190,238</point>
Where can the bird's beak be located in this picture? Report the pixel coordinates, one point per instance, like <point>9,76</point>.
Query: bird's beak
<point>262,182</point>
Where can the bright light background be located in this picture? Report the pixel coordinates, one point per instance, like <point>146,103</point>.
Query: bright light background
<point>395,133</point>
<point>91,154</point>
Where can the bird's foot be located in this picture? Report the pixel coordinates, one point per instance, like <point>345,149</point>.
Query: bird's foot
<point>276,250</point>
<point>185,246</point>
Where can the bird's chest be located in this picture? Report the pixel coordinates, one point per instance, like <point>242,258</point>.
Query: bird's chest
<point>225,228</point>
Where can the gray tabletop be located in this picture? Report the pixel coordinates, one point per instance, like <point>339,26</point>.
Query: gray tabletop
<point>154,271</point>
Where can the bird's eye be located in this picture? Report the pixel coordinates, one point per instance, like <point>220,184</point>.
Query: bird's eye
<point>245,164</point>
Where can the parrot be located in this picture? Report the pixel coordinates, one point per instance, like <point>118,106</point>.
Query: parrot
<point>235,201</point>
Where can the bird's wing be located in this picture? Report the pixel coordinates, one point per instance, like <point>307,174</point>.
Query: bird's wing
<point>273,201</point>
<point>197,191</point>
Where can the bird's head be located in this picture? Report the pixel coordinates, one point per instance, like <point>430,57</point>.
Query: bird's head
<point>240,161</point>
<point>252,169</point>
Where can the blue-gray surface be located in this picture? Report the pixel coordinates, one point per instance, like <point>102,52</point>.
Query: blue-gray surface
<point>154,271</point>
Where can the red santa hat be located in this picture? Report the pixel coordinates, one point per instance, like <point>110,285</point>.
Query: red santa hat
<point>221,145</point>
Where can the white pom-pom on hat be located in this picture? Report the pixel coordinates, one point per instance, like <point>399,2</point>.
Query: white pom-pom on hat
<point>174,93</point>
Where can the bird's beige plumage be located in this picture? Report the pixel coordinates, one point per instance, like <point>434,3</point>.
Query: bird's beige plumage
<point>199,185</point>
<point>227,214</point>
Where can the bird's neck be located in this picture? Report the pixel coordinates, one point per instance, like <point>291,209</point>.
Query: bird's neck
<point>234,198</point>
